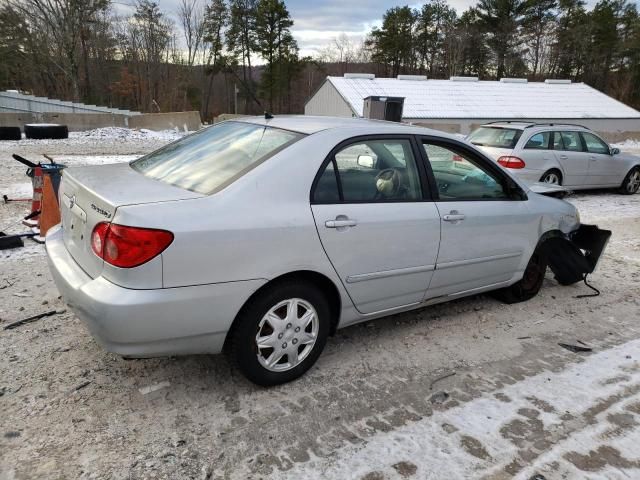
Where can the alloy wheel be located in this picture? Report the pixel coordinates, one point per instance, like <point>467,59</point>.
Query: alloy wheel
<point>633,184</point>
<point>552,178</point>
<point>286,334</point>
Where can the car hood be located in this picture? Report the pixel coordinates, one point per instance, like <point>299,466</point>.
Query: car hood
<point>548,189</point>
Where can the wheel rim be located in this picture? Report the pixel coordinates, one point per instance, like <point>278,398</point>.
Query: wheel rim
<point>286,334</point>
<point>552,178</point>
<point>634,182</point>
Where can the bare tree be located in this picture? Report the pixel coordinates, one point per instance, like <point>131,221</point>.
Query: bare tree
<point>191,15</point>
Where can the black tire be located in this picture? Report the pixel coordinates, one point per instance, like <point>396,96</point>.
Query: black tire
<point>548,173</point>
<point>242,346</point>
<point>46,131</point>
<point>531,282</point>
<point>10,133</point>
<point>629,184</point>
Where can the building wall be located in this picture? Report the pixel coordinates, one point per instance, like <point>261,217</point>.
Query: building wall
<point>612,130</point>
<point>328,102</point>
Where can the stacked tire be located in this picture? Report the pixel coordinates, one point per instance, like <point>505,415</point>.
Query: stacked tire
<point>42,131</point>
<point>10,133</point>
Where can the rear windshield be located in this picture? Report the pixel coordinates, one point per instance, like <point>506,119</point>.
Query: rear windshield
<point>214,157</point>
<point>495,137</point>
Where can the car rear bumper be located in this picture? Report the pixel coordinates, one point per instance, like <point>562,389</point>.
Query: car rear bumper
<point>147,323</point>
<point>527,175</point>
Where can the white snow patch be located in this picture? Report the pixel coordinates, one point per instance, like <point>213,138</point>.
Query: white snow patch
<point>128,133</point>
<point>18,190</point>
<point>82,160</point>
<point>594,206</point>
<point>438,454</point>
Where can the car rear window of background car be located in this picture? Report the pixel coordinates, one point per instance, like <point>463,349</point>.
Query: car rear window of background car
<point>497,137</point>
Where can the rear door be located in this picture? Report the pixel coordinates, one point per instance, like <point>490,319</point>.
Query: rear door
<point>487,232</point>
<point>572,157</point>
<point>377,226</point>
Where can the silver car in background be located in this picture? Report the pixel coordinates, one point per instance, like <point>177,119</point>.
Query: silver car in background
<point>263,236</point>
<point>569,155</point>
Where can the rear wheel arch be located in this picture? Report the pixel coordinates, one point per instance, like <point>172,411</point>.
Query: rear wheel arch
<point>318,280</point>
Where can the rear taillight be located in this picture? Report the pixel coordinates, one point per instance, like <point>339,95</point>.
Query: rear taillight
<point>511,162</point>
<point>128,247</point>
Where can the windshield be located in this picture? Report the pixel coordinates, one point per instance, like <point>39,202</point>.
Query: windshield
<point>495,137</point>
<point>214,157</point>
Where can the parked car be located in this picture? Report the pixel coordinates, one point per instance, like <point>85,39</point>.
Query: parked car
<point>263,236</point>
<point>568,155</point>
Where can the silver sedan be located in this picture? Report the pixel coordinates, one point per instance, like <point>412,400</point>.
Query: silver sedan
<point>263,236</point>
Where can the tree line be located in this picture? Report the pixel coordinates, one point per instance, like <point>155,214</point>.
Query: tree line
<point>535,39</point>
<point>240,55</point>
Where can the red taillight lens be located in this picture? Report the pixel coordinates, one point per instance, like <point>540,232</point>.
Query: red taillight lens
<point>457,158</point>
<point>511,162</point>
<point>128,247</point>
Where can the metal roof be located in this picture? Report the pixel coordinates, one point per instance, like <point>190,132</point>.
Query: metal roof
<point>466,97</point>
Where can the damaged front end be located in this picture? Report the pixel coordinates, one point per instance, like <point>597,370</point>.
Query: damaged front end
<point>574,256</point>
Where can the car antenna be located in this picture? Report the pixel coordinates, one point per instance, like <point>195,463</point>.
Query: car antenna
<point>267,115</point>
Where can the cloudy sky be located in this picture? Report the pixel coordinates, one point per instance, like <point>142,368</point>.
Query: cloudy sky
<point>317,22</point>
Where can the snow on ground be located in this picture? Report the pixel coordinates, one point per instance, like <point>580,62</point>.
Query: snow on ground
<point>438,449</point>
<point>602,204</point>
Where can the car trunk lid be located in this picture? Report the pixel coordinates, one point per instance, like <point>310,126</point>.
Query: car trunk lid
<point>90,195</point>
<point>495,152</point>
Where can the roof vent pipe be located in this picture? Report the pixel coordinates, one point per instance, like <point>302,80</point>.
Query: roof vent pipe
<point>412,77</point>
<point>513,80</point>
<point>557,81</point>
<point>368,76</point>
<point>463,79</point>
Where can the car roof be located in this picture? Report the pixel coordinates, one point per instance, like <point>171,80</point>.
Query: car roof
<point>310,124</point>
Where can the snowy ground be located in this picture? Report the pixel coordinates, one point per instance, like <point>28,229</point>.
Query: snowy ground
<point>382,402</point>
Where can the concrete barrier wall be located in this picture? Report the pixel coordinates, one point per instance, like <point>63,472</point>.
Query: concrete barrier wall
<point>78,122</point>
<point>184,121</point>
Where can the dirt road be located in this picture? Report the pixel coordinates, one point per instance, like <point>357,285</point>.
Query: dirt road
<point>381,403</point>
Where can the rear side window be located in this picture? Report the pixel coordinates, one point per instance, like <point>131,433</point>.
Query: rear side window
<point>370,171</point>
<point>214,157</point>
<point>495,137</point>
<point>594,144</point>
<point>571,141</point>
<point>539,141</point>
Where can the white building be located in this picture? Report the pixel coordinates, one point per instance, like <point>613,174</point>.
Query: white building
<point>460,104</point>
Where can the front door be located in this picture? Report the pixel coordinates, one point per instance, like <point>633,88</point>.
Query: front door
<point>487,232</point>
<point>603,170</point>
<point>375,225</point>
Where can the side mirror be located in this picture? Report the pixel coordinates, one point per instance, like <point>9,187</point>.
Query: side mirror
<point>366,161</point>
<point>615,151</point>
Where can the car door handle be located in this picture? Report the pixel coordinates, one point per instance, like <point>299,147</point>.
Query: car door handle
<point>563,157</point>
<point>453,216</point>
<point>340,223</point>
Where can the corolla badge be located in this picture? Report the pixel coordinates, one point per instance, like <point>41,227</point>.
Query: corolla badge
<point>101,211</point>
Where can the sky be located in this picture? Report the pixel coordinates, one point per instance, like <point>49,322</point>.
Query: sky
<point>318,22</point>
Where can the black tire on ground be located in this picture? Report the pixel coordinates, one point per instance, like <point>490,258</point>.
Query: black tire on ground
<point>548,173</point>
<point>46,131</point>
<point>630,184</point>
<point>10,133</point>
<point>531,282</point>
<point>242,345</point>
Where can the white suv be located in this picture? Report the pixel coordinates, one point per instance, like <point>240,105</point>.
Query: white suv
<point>561,154</point>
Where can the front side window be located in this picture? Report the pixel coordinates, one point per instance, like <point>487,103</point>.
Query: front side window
<point>214,157</point>
<point>495,137</point>
<point>571,141</point>
<point>459,177</point>
<point>594,144</point>
<point>539,141</point>
<point>370,171</point>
